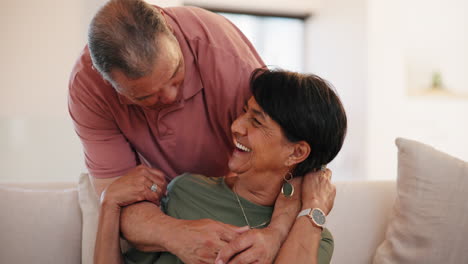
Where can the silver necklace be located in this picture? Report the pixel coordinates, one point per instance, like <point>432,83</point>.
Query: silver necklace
<point>243,212</point>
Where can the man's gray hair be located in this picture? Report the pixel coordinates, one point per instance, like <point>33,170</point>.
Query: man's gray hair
<point>122,35</point>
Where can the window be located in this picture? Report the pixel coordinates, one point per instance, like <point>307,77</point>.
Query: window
<point>278,40</point>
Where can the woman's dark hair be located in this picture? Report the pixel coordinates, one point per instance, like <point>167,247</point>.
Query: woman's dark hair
<point>307,108</point>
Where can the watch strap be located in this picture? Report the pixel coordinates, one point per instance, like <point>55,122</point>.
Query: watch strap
<point>304,212</point>
<point>308,212</point>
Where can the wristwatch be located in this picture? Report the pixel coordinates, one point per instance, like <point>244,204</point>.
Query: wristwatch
<point>316,216</point>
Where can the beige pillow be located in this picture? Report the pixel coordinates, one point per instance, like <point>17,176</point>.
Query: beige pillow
<point>89,205</point>
<point>429,222</point>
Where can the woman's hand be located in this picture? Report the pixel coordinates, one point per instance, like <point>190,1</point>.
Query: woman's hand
<point>318,191</point>
<point>135,187</point>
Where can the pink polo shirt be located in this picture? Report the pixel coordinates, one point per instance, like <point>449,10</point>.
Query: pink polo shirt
<point>192,135</point>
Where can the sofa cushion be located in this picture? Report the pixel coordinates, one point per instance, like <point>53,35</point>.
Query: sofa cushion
<point>430,216</point>
<point>359,219</point>
<point>39,224</point>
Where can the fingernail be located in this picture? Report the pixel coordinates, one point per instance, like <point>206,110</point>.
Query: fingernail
<point>219,261</point>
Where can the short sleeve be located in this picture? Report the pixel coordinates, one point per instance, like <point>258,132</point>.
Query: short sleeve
<point>134,256</point>
<point>107,152</point>
<point>325,248</point>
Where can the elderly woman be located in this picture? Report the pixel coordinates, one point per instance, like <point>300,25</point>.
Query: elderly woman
<point>293,124</point>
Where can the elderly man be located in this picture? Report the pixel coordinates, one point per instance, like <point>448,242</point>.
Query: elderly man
<point>155,93</point>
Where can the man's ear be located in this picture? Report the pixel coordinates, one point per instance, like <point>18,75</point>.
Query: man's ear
<point>300,152</point>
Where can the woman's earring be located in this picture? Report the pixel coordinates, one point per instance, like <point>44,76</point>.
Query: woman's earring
<point>288,189</point>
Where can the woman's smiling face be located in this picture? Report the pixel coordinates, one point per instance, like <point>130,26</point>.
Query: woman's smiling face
<point>260,144</point>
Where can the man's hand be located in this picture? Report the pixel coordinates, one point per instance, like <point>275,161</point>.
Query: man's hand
<point>135,186</point>
<point>318,191</point>
<point>199,241</point>
<point>254,246</point>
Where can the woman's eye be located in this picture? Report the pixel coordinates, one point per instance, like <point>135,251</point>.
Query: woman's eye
<point>255,122</point>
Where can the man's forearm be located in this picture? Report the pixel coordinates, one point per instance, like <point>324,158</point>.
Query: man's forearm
<point>144,225</point>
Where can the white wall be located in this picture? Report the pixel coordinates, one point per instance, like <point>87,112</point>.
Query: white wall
<point>437,121</point>
<point>371,50</point>
<point>40,42</point>
<point>336,50</point>
<point>436,39</point>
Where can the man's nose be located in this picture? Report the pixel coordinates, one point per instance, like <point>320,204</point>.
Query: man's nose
<point>169,94</point>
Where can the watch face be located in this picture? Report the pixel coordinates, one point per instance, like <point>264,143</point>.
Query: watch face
<point>318,216</point>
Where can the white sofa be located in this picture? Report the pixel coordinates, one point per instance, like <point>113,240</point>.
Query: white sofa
<point>42,223</point>
<point>422,218</point>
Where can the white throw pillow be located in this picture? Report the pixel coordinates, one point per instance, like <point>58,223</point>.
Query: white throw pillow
<point>429,222</point>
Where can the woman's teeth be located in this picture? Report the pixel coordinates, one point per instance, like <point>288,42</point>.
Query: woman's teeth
<point>242,147</point>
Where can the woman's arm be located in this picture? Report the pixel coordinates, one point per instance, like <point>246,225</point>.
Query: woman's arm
<point>107,248</point>
<point>124,191</point>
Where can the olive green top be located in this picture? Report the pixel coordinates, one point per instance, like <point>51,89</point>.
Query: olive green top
<point>194,197</point>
